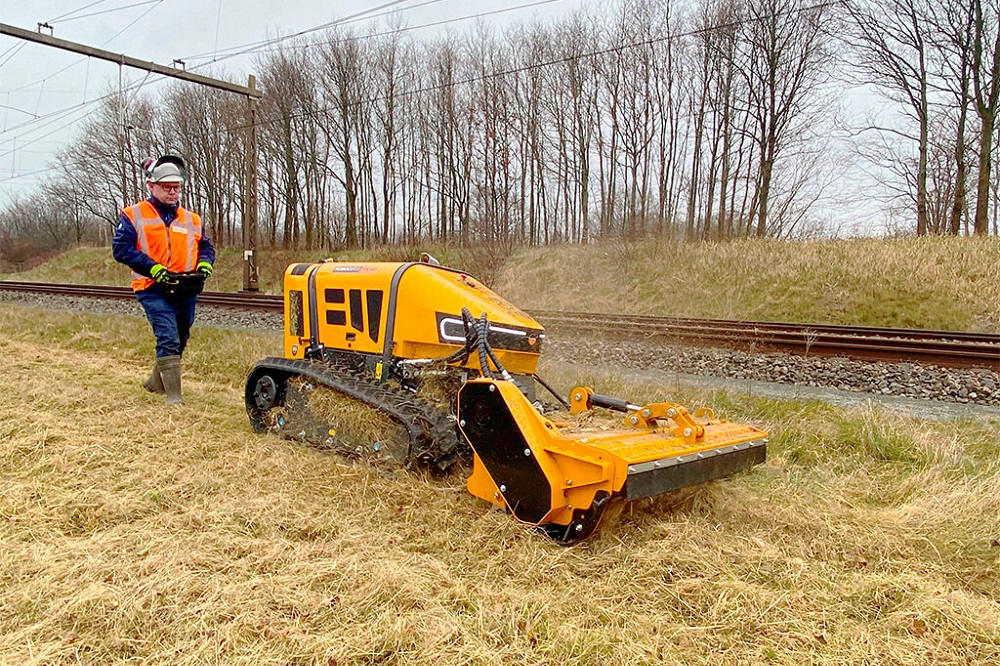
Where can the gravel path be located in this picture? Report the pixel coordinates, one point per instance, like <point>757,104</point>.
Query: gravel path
<point>921,388</point>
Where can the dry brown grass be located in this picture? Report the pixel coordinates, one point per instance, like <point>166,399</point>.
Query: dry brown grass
<point>935,282</point>
<point>946,283</point>
<point>136,534</point>
<point>95,265</point>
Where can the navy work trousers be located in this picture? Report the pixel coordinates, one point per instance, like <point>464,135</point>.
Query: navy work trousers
<point>170,318</point>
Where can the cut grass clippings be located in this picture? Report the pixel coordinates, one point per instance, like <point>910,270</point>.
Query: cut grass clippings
<point>133,533</point>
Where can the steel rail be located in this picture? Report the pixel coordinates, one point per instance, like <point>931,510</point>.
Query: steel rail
<point>244,301</point>
<point>759,326</point>
<point>945,348</point>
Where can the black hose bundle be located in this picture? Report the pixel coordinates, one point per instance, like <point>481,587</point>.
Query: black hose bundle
<point>486,352</point>
<point>460,356</point>
<point>476,339</point>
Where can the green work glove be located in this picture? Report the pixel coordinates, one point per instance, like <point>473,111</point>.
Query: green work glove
<point>205,268</point>
<point>159,273</point>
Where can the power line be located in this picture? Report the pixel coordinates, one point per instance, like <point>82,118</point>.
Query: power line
<point>60,114</point>
<point>355,16</point>
<point>79,9</point>
<point>106,11</point>
<point>470,80</point>
<point>249,48</point>
<point>35,152</point>
<point>124,60</point>
<point>548,63</point>
<point>52,114</point>
<point>30,174</point>
<point>55,117</point>
<point>85,59</point>
<point>37,141</point>
<point>14,108</point>
<point>218,24</point>
<point>12,51</point>
<point>433,24</point>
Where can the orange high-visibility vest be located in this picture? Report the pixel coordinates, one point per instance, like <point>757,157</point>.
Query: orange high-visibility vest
<point>176,246</point>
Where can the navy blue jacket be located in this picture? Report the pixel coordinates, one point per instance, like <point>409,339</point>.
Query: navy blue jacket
<point>124,244</point>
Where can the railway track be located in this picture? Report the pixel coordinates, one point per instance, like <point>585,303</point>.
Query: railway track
<point>943,348</point>
<point>243,301</point>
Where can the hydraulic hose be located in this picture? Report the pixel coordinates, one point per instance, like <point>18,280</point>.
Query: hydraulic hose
<point>481,330</point>
<point>459,356</point>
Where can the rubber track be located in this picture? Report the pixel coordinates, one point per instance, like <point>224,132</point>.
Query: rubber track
<point>434,438</point>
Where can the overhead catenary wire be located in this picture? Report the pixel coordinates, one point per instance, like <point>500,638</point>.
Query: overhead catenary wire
<point>60,115</point>
<point>432,24</point>
<point>271,42</point>
<point>10,53</point>
<point>19,110</point>
<point>494,75</point>
<point>78,9</point>
<point>352,17</point>
<point>218,24</point>
<point>254,46</point>
<point>546,63</point>
<point>57,115</point>
<point>52,114</point>
<point>85,59</point>
<point>30,174</point>
<point>105,11</point>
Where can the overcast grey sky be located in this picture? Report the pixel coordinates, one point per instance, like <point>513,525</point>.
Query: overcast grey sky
<point>45,91</point>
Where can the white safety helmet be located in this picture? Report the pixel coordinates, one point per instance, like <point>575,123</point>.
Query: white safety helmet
<point>166,169</point>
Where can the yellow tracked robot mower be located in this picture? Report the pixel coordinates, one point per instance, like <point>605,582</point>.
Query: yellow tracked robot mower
<point>386,361</point>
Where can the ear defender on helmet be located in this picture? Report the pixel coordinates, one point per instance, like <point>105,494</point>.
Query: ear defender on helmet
<point>167,169</point>
<point>147,167</point>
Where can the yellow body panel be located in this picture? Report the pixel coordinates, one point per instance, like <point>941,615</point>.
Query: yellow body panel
<point>327,277</point>
<point>357,305</point>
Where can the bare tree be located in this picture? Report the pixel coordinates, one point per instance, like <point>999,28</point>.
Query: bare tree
<point>785,64</point>
<point>953,22</point>
<point>202,127</point>
<point>570,102</point>
<point>891,42</point>
<point>986,92</point>
<point>394,78</point>
<point>288,114</point>
<point>93,163</point>
<point>346,88</point>
<point>450,120</point>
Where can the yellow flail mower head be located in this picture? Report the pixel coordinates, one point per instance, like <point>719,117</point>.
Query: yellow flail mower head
<point>547,475</point>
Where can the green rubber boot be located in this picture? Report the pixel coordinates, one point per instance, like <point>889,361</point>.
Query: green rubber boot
<point>154,383</point>
<point>170,374</point>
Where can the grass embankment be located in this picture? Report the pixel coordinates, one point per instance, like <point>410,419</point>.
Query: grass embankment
<point>937,283</point>
<point>95,265</point>
<point>132,533</point>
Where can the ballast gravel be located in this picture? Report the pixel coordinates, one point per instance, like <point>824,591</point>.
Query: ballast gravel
<point>928,382</point>
<point>911,380</point>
